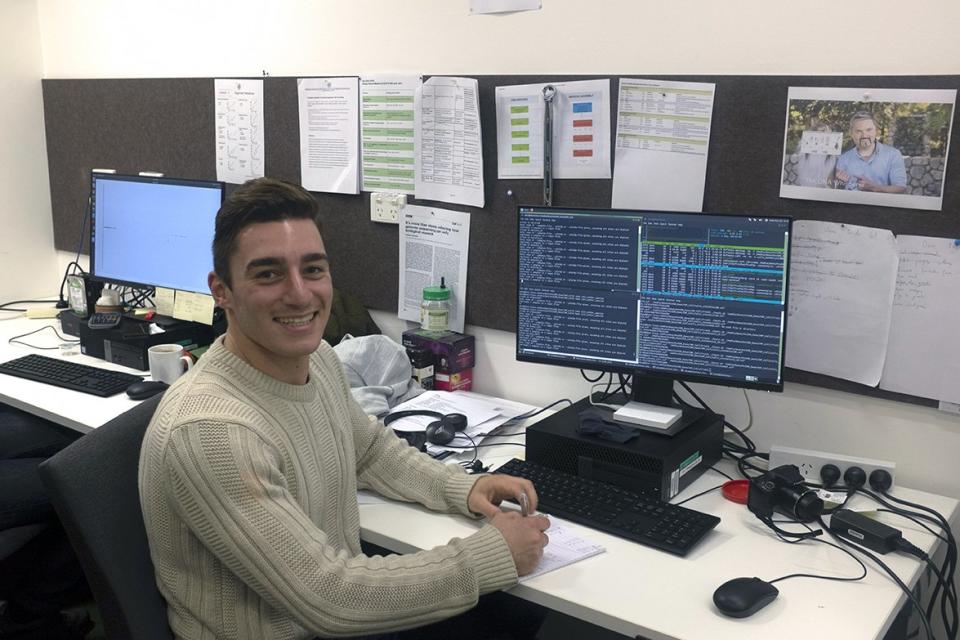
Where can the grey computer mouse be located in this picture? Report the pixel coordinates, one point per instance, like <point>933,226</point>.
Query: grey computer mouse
<point>145,389</point>
<point>743,597</point>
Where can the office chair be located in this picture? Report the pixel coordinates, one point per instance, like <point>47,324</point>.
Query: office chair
<point>12,539</point>
<point>93,487</point>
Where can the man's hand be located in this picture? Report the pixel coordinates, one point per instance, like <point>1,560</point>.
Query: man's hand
<point>842,176</point>
<point>489,491</point>
<point>525,538</point>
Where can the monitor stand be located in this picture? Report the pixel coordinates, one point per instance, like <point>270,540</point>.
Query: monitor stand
<point>651,407</point>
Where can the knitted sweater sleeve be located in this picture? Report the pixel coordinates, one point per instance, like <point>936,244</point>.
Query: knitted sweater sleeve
<point>226,484</point>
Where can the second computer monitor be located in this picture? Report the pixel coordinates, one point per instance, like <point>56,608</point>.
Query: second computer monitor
<point>150,231</point>
<point>687,296</point>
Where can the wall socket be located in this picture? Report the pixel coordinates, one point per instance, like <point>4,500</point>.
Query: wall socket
<point>386,207</point>
<point>809,462</point>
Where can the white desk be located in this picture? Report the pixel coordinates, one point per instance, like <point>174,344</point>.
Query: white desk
<point>630,589</point>
<point>635,590</point>
<point>80,411</point>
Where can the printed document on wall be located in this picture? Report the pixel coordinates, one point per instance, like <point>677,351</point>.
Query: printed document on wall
<point>239,123</point>
<point>519,131</point>
<point>581,130</point>
<point>386,132</point>
<point>841,287</point>
<point>434,244</point>
<point>924,350</point>
<point>663,135</point>
<point>449,162</point>
<point>329,112</point>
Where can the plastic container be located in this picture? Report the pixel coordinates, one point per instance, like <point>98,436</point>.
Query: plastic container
<point>435,308</point>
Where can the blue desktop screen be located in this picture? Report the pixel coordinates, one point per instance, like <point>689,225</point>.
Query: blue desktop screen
<point>153,231</point>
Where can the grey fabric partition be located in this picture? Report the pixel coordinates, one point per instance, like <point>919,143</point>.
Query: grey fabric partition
<point>167,125</point>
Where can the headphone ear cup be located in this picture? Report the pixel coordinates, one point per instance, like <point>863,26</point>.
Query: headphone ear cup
<point>456,422</point>
<point>439,433</point>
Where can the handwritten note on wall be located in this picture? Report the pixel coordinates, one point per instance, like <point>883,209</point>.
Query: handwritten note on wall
<point>876,309</point>
<point>841,287</point>
<point>922,357</point>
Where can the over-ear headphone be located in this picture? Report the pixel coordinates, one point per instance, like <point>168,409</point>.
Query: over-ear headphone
<point>441,431</point>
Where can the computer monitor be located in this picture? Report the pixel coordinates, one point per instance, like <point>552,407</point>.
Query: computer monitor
<point>157,232</point>
<point>661,295</point>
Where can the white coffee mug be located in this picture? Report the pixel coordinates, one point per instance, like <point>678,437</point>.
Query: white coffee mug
<point>168,362</point>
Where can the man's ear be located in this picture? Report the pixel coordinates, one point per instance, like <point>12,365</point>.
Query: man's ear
<point>219,290</point>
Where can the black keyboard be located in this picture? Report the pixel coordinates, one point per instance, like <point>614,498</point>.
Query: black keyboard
<point>614,510</point>
<point>69,375</point>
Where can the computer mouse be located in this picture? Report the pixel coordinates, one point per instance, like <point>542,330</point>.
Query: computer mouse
<point>440,432</point>
<point>145,389</point>
<point>743,597</point>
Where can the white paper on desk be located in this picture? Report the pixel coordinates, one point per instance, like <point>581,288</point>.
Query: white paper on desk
<point>386,132</point>
<point>565,548</point>
<point>329,154</point>
<point>924,349</point>
<point>663,136</point>
<point>449,159</point>
<point>441,402</point>
<point>581,130</point>
<point>434,244</point>
<point>239,128</point>
<point>841,287</point>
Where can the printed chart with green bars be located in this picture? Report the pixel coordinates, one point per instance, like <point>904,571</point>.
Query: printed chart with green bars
<point>387,137</point>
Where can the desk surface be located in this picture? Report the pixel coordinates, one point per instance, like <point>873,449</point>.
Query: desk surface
<point>635,590</point>
<point>80,411</point>
<point>630,589</point>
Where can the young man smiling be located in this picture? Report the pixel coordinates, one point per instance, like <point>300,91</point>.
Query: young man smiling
<point>250,466</point>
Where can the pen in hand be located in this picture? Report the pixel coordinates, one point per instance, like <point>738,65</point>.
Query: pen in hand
<point>524,504</point>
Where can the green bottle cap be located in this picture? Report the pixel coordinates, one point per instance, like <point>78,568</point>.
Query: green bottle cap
<point>436,293</point>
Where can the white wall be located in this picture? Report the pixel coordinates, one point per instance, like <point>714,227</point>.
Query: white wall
<point>118,38</point>
<point>27,268</point>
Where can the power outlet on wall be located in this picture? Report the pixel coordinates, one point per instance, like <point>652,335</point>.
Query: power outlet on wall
<point>810,462</point>
<point>386,207</point>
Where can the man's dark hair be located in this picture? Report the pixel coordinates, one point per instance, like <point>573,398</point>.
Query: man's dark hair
<point>259,200</point>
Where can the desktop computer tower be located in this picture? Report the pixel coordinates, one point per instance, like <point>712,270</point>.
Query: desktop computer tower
<point>651,464</point>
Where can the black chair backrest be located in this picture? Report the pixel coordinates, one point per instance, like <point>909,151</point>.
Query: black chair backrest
<point>93,487</point>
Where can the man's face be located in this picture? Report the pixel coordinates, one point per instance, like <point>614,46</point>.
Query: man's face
<point>864,134</point>
<point>280,300</point>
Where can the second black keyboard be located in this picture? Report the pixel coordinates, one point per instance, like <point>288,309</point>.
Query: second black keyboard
<point>69,375</point>
<point>614,510</point>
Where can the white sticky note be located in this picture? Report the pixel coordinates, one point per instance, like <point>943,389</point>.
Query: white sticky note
<point>163,300</point>
<point>195,307</point>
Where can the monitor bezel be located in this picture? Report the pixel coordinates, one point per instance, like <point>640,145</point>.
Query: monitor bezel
<point>589,365</point>
<point>123,177</point>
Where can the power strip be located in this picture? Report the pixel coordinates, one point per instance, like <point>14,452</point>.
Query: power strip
<point>810,462</point>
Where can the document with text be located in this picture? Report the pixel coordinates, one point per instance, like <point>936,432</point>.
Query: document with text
<point>878,309</point>
<point>434,244</point>
<point>239,129</point>
<point>565,548</point>
<point>449,158</point>
<point>663,136</point>
<point>386,132</point>
<point>923,358</point>
<point>329,154</point>
<point>580,131</point>
<point>842,278</point>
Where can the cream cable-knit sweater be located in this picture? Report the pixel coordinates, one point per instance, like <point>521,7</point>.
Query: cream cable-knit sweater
<point>248,487</point>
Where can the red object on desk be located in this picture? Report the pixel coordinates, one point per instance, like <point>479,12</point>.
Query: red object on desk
<point>736,490</point>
